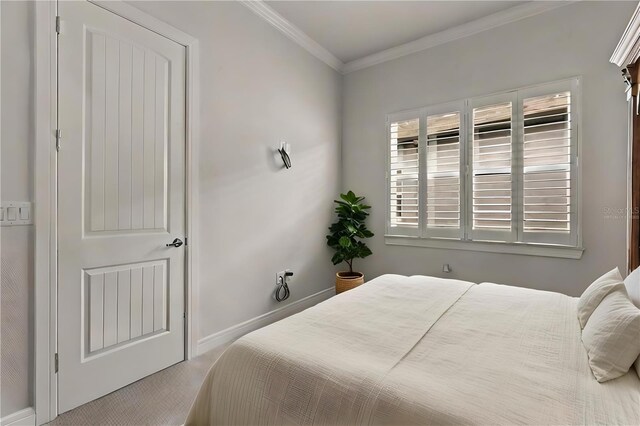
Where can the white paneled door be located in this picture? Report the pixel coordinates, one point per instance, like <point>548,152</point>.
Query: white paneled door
<point>121,200</point>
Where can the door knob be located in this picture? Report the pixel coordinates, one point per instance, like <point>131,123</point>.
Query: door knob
<point>176,243</point>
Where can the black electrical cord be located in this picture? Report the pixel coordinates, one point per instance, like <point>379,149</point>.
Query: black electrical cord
<point>284,289</point>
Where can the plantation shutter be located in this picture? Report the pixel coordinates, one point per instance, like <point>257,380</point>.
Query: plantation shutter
<point>549,154</point>
<point>403,177</point>
<point>491,168</point>
<point>501,168</point>
<point>443,170</point>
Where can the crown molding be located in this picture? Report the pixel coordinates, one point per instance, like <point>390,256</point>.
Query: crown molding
<point>261,9</point>
<point>513,14</point>
<point>628,49</point>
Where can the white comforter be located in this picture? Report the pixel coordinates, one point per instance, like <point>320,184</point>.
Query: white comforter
<point>418,350</point>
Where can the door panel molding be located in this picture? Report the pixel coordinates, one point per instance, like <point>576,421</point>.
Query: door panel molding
<point>114,300</point>
<point>45,388</point>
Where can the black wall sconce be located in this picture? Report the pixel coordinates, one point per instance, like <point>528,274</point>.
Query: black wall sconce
<point>284,151</point>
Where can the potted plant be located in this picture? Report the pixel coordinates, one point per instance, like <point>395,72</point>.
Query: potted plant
<point>345,238</point>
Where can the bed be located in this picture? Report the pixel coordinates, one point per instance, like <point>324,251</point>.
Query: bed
<point>418,350</point>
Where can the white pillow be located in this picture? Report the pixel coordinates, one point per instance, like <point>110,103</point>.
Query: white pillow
<point>612,336</point>
<point>597,291</point>
<point>632,283</point>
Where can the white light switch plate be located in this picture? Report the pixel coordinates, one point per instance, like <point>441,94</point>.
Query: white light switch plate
<point>13,213</point>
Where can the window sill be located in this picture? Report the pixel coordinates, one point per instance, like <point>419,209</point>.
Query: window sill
<point>529,249</point>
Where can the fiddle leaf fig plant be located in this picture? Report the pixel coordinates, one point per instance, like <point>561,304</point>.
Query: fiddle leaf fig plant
<point>347,233</point>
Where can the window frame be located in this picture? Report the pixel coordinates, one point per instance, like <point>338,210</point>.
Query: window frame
<point>516,240</point>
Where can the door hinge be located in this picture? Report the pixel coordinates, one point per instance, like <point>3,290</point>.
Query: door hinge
<point>58,25</point>
<point>58,138</point>
<point>55,363</point>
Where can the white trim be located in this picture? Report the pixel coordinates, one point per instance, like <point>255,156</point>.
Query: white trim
<point>26,417</point>
<point>513,14</point>
<point>294,33</point>
<point>45,400</point>
<point>193,196</point>
<point>227,335</point>
<point>543,250</point>
<point>141,18</point>
<point>45,185</point>
<point>628,49</point>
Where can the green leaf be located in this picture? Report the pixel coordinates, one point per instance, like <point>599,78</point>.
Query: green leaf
<point>366,233</point>
<point>364,252</point>
<point>345,242</point>
<point>345,197</point>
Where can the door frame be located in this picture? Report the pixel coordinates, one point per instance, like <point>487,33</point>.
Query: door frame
<point>45,190</point>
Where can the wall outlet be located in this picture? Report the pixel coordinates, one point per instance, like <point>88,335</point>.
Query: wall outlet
<point>446,268</point>
<point>281,277</point>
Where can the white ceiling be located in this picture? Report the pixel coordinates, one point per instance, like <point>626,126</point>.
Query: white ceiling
<point>354,29</point>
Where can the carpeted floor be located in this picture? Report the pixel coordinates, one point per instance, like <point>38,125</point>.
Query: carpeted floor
<point>163,398</point>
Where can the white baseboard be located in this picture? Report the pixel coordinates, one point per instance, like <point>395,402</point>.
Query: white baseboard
<point>26,417</point>
<point>220,338</point>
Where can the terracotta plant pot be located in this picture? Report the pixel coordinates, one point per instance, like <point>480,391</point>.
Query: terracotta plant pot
<point>348,280</point>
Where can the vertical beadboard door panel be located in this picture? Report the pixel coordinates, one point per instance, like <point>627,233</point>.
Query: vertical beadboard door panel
<point>120,288</point>
<point>160,132</point>
<point>123,304</point>
<point>111,131</point>
<point>159,297</point>
<point>110,309</point>
<point>147,299</point>
<point>127,154</point>
<point>136,303</point>
<point>137,138</point>
<point>125,121</point>
<point>96,88</point>
<point>95,313</point>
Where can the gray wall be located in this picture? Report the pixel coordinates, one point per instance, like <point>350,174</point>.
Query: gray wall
<point>257,87</point>
<point>16,289</point>
<point>572,40</point>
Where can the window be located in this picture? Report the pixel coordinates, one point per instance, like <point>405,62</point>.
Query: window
<point>404,173</point>
<point>497,169</point>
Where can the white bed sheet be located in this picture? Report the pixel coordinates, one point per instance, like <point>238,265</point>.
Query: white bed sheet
<point>418,350</point>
